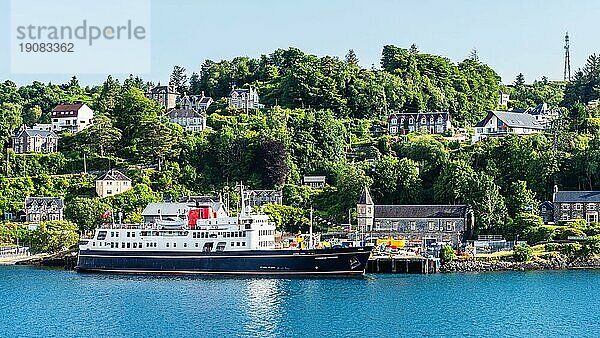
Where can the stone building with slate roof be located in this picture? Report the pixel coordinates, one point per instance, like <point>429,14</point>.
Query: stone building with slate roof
<point>244,99</point>
<point>432,122</point>
<point>500,124</point>
<point>569,205</point>
<point>188,119</point>
<point>27,140</point>
<point>40,209</point>
<point>113,182</point>
<point>165,96</point>
<point>427,223</point>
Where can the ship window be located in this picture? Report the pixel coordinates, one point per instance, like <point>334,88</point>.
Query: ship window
<point>132,234</point>
<point>93,243</point>
<point>112,234</point>
<point>122,244</point>
<point>167,245</point>
<point>127,233</point>
<point>134,245</point>
<point>112,245</point>
<point>117,234</point>
<point>128,245</point>
<point>221,246</point>
<point>101,235</point>
<point>207,247</point>
<point>185,245</point>
<point>237,244</point>
<point>140,245</point>
<point>196,245</point>
<point>232,244</point>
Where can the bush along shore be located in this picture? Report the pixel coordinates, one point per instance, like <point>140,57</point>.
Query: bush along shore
<point>553,263</point>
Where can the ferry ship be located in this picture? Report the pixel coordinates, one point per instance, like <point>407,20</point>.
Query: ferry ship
<point>203,242</point>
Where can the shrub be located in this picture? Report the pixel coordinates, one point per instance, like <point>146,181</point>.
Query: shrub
<point>447,255</point>
<point>540,234</point>
<point>571,250</point>
<point>567,232</point>
<point>592,246</point>
<point>522,253</point>
<point>552,247</point>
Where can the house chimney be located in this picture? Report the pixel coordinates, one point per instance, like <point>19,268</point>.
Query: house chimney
<point>555,188</point>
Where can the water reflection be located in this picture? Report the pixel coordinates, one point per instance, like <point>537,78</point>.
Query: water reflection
<point>261,302</point>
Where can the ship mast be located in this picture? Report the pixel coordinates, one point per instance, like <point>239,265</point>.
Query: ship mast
<point>310,230</point>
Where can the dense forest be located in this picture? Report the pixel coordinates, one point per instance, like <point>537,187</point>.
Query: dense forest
<point>319,120</point>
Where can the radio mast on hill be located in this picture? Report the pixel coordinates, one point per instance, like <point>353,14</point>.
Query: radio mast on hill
<point>567,73</point>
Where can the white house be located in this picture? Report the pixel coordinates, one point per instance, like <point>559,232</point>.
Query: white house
<point>195,102</point>
<point>500,124</point>
<point>112,183</point>
<point>503,99</point>
<point>244,98</point>
<point>72,117</point>
<point>543,115</point>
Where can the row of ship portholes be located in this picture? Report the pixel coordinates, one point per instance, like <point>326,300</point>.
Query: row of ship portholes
<point>136,245</point>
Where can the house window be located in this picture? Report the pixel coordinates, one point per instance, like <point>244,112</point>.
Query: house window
<point>450,225</point>
<point>430,224</point>
<point>440,119</point>
<point>591,206</point>
<point>564,206</point>
<point>578,206</point>
<point>413,225</point>
<point>423,120</point>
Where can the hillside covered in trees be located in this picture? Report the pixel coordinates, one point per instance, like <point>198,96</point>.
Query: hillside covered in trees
<point>320,117</point>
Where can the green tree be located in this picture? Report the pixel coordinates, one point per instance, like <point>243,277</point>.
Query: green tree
<point>519,80</point>
<point>179,80</point>
<point>86,212</point>
<point>10,119</point>
<point>101,137</point>
<point>520,199</point>
<point>54,236</point>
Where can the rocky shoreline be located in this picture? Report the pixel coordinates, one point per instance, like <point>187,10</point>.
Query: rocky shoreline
<point>65,259</point>
<point>554,263</point>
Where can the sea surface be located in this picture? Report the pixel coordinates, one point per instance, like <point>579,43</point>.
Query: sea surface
<point>37,302</point>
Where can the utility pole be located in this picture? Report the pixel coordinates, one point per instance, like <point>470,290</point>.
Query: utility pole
<point>567,72</point>
<point>84,165</point>
<point>7,162</point>
<point>310,230</point>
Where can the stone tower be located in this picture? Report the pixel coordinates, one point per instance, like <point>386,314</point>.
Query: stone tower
<point>365,211</point>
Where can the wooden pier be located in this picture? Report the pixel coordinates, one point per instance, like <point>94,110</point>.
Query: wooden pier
<point>402,264</point>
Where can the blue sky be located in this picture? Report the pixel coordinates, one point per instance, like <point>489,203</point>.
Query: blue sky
<point>511,36</point>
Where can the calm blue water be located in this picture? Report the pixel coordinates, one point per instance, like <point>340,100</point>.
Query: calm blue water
<point>41,303</point>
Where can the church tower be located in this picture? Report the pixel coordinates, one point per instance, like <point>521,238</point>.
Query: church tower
<point>365,211</point>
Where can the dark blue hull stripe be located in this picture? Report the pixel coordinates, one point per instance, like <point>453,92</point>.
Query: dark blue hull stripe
<point>334,261</point>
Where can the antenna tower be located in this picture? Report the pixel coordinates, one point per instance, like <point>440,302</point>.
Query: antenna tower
<point>567,73</point>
